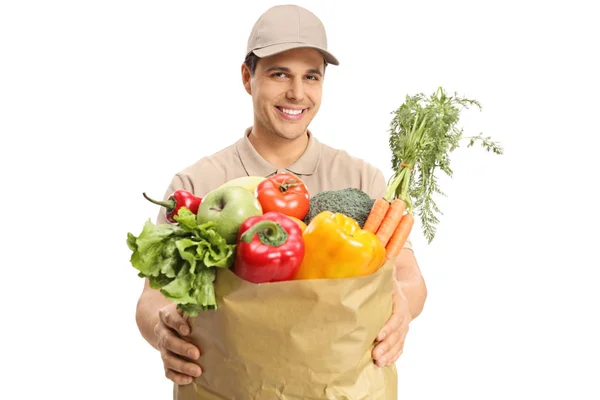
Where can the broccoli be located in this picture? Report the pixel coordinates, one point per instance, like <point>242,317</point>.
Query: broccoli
<point>351,202</point>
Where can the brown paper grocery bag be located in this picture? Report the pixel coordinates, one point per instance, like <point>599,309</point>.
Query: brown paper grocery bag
<point>293,340</point>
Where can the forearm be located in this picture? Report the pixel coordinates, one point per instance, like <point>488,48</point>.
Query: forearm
<point>411,281</point>
<point>146,314</point>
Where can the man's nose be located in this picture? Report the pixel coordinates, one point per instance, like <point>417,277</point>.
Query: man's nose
<point>296,90</point>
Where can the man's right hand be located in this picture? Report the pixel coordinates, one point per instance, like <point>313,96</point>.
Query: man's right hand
<point>175,351</point>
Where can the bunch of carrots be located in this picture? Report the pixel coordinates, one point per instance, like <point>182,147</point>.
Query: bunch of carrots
<point>391,222</point>
<point>423,133</point>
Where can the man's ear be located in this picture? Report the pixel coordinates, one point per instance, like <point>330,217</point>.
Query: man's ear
<point>246,79</point>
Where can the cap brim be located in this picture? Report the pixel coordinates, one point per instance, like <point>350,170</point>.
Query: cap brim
<point>280,48</point>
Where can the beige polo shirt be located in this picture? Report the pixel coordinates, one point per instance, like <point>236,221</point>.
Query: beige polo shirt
<point>320,167</point>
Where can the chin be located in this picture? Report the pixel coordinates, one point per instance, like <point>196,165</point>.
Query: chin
<point>291,130</point>
<point>291,133</point>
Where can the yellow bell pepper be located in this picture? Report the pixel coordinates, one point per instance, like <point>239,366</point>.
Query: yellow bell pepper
<point>336,247</point>
<point>300,223</point>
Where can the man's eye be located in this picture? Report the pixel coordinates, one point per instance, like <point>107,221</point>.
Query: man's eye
<point>279,74</point>
<point>313,77</point>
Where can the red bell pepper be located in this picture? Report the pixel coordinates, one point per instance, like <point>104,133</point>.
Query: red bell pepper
<point>179,198</point>
<point>270,248</point>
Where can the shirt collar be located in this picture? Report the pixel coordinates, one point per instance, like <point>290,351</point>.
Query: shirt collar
<point>255,165</point>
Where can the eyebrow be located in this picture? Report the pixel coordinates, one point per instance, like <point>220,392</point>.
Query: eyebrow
<point>284,69</point>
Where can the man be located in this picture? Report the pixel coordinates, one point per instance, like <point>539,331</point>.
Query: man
<point>284,72</point>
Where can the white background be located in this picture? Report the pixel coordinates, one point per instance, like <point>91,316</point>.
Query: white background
<point>101,101</point>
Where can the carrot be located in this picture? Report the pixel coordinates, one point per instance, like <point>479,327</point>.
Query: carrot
<point>399,237</point>
<point>377,214</point>
<point>390,221</point>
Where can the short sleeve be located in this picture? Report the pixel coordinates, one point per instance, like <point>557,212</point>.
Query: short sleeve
<point>177,183</point>
<point>378,190</point>
<point>378,186</point>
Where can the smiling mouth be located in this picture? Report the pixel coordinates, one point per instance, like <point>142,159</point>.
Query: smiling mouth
<point>290,111</point>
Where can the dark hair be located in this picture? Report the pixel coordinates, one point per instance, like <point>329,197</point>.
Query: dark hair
<point>252,59</point>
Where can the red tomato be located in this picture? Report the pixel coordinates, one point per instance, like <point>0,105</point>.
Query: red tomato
<point>284,193</point>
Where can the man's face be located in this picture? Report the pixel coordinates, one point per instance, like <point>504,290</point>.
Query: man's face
<point>286,91</point>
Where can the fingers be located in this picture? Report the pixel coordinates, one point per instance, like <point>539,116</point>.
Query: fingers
<point>168,341</point>
<point>175,351</point>
<point>173,319</point>
<point>178,370</point>
<point>389,351</point>
<point>392,325</point>
<point>179,379</point>
<point>400,312</point>
<point>391,337</point>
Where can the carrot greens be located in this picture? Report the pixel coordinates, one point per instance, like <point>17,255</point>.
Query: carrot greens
<point>423,133</point>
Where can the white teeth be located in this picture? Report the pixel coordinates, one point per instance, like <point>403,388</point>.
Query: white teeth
<point>291,112</point>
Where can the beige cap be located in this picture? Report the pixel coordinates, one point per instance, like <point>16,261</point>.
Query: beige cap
<point>287,27</point>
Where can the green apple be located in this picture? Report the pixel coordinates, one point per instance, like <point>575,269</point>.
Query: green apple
<point>228,207</point>
<point>248,182</point>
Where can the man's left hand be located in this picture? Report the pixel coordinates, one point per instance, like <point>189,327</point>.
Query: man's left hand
<point>392,335</point>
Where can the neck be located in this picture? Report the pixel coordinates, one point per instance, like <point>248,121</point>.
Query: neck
<point>278,151</point>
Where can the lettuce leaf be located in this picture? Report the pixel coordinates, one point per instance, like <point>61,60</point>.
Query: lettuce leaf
<point>180,260</point>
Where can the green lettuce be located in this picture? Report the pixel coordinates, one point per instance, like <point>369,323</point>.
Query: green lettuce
<point>180,260</point>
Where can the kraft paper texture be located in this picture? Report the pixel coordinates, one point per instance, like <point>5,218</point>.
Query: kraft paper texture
<point>293,340</point>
